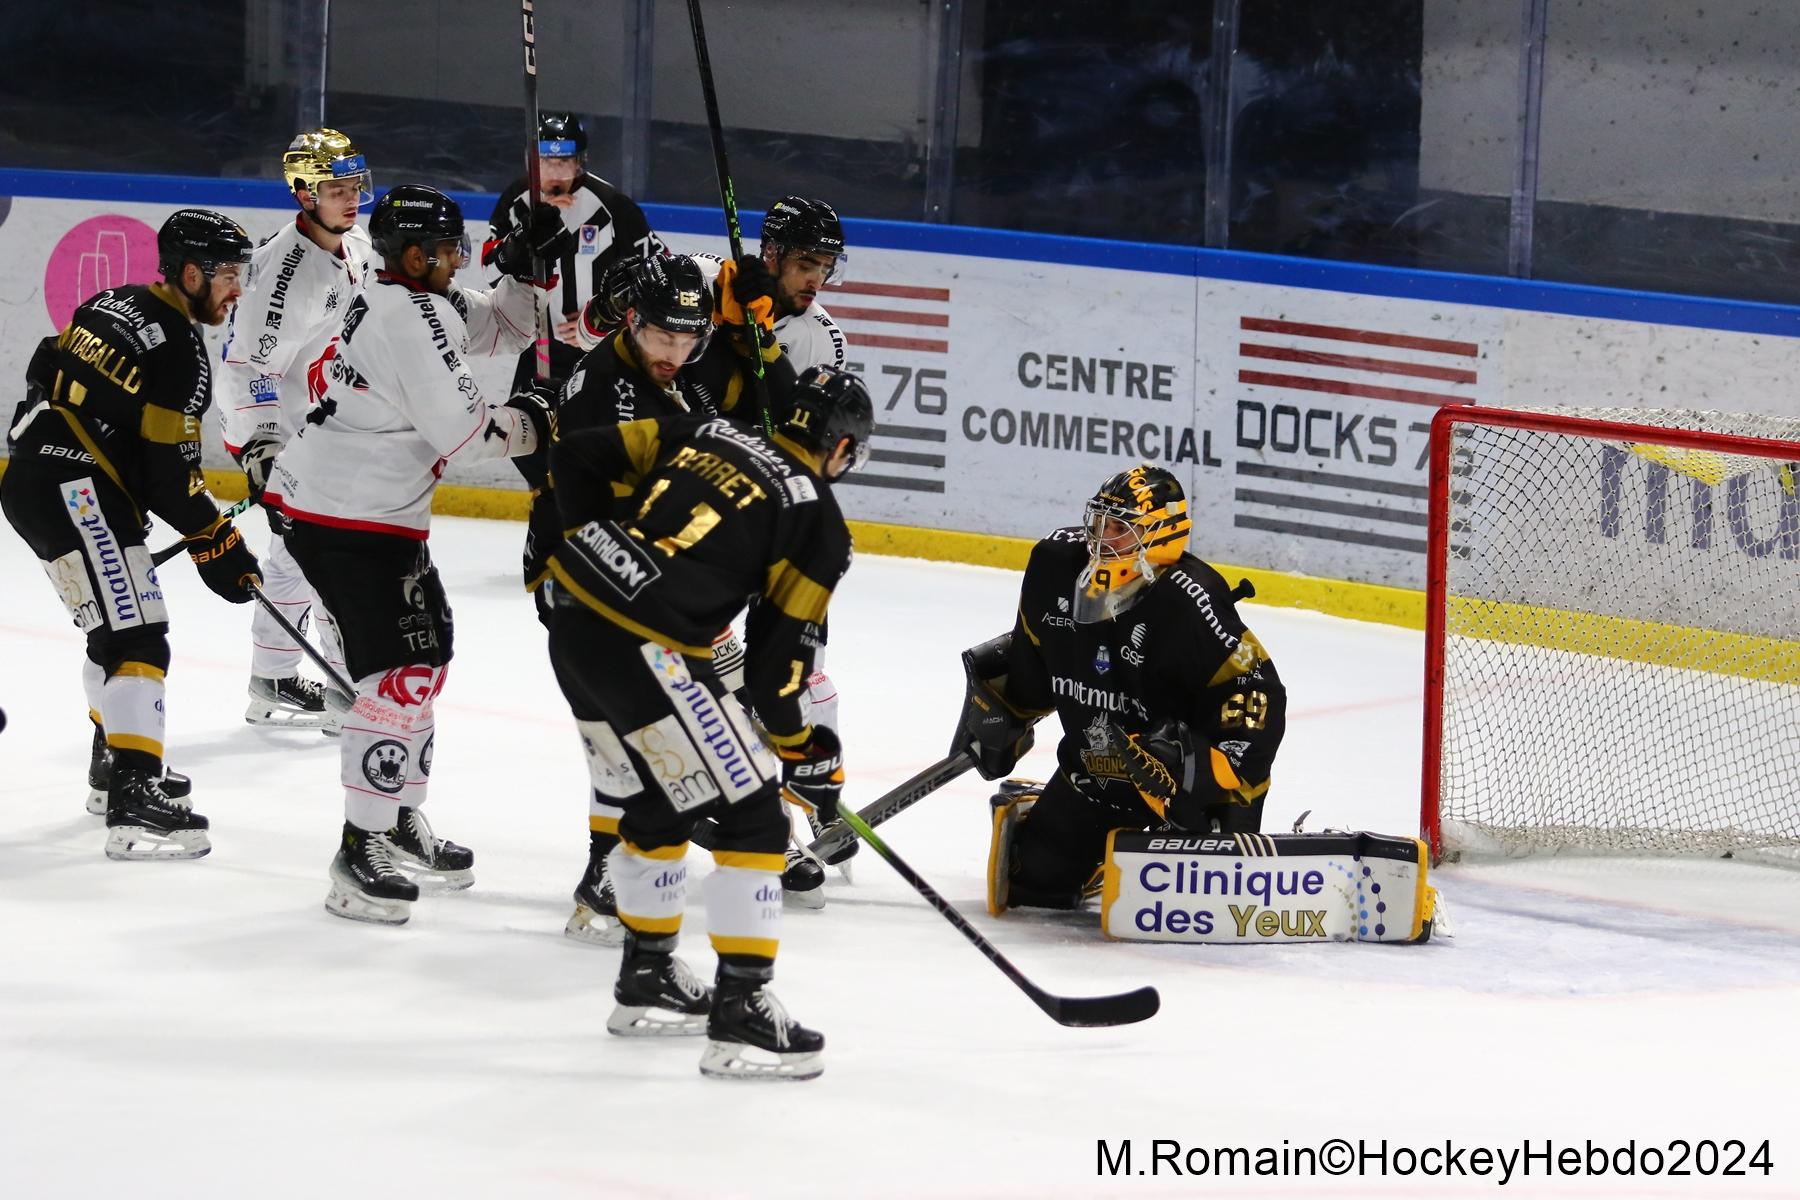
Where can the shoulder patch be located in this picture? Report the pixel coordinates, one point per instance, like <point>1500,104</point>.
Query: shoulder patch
<point>800,489</point>
<point>151,335</point>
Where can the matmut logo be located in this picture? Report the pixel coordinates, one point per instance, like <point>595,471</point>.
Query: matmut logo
<point>103,555</point>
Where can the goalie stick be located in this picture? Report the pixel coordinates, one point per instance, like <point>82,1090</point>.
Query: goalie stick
<point>836,836</point>
<point>1126,1008</point>
<point>170,551</point>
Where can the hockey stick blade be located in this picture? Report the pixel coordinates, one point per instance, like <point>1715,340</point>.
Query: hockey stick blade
<point>837,835</point>
<point>1127,1008</point>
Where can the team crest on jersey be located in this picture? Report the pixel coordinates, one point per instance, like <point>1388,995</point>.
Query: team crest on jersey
<point>1103,660</point>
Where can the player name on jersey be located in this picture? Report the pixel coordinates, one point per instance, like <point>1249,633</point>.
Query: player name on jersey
<point>1248,888</point>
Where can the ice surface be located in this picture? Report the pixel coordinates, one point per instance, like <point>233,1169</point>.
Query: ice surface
<point>205,1029</point>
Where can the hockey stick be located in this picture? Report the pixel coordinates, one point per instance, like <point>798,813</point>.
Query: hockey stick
<point>836,836</point>
<point>170,551</point>
<point>331,673</point>
<point>728,197</point>
<point>1126,1008</point>
<point>538,303</point>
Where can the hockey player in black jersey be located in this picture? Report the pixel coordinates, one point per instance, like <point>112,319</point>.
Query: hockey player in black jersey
<point>109,436</point>
<point>1171,709</point>
<point>606,226</point>
<point>673,522</point>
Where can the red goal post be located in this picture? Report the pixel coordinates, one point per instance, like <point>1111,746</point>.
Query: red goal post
<point>1612,634</point>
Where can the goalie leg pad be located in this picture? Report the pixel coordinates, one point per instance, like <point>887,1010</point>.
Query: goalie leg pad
<point>1010,804</point>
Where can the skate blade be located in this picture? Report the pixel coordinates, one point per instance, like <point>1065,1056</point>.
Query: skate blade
<point>737,1060</point>
<point>277,717</point>
<point>432,881</point>
<point>352,905</point>
<point>594,928</point>
<point>137,843</point>
<point>96,802</point>
<point>632,1020</point>
<point>812,898</point>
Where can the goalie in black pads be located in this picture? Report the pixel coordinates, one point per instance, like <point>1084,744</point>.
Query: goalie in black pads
<point>673,521</point>
<point>1171,709</point>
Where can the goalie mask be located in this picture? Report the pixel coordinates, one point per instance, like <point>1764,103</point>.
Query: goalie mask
<point>1136,524</point>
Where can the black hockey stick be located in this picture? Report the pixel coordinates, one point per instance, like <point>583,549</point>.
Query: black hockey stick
<point>1126,1008</point>
<point>728,197</point>
<point>170,551</point>
<point>837,836</point>
<point>331,673</point>
<point>538,302</point>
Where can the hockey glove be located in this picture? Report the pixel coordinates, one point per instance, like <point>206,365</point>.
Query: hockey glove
<point>990,729</point>
<point>538,403</point>
<point>224,562</point>
<point>257,456</point>
<point>545,237</point>
<point>605,309</point>
<point>746,292</point>
<point>812,775</point>
<point>1161,765</point>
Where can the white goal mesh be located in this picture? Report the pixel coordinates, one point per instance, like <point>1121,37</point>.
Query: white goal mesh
<point>1616,627</point>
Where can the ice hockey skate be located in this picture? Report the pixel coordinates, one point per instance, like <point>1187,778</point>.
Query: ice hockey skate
<point>365,883</point>
<point>145,823</point>
<point>435,864</point>
<point>802,879</point>
<point>292,703</point>
<point>658,996</point>
<point>175,785</point>
<point>837,858</point>
<point>750,1036</point>
<point>596,916</point>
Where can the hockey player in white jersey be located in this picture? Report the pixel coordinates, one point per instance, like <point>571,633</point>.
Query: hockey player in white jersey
<point>300,281</point>
<point>356,483</point>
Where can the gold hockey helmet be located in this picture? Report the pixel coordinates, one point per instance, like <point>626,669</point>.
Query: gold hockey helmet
<point>319,155</point>
<point>1137,523</point>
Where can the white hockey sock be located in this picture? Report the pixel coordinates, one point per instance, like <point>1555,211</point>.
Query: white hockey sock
<point>93,684</point>
<point>273,653</point>
<point>131,708</point>
<point>650,887</point>
<point>380,741</point>
<point>743,902</point>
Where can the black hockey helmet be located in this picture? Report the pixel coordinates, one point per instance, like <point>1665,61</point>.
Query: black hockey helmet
<point>410,214</point>
<point>203,237</point>
<point>561,135</point>
<point>828,405</point>
<point>672,294</point>
<point>796,223</point>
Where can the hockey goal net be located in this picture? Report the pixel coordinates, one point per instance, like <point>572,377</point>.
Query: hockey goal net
<point>1613,634</point>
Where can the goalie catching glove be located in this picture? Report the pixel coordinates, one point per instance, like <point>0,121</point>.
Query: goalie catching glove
<point>991,731</point>
<point>812,774</point>
<point>1160,764</point>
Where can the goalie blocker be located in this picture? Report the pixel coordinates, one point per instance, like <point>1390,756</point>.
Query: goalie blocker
<point>1258,888</point>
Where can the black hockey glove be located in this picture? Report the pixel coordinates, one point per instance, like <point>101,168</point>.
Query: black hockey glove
<point>812,776</point>
<point>257,456</point>
<point>224,562</point>
<point>990,729</point>
<point>617,292</point>
<point>1161,764</point>
<point>545,236</point>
